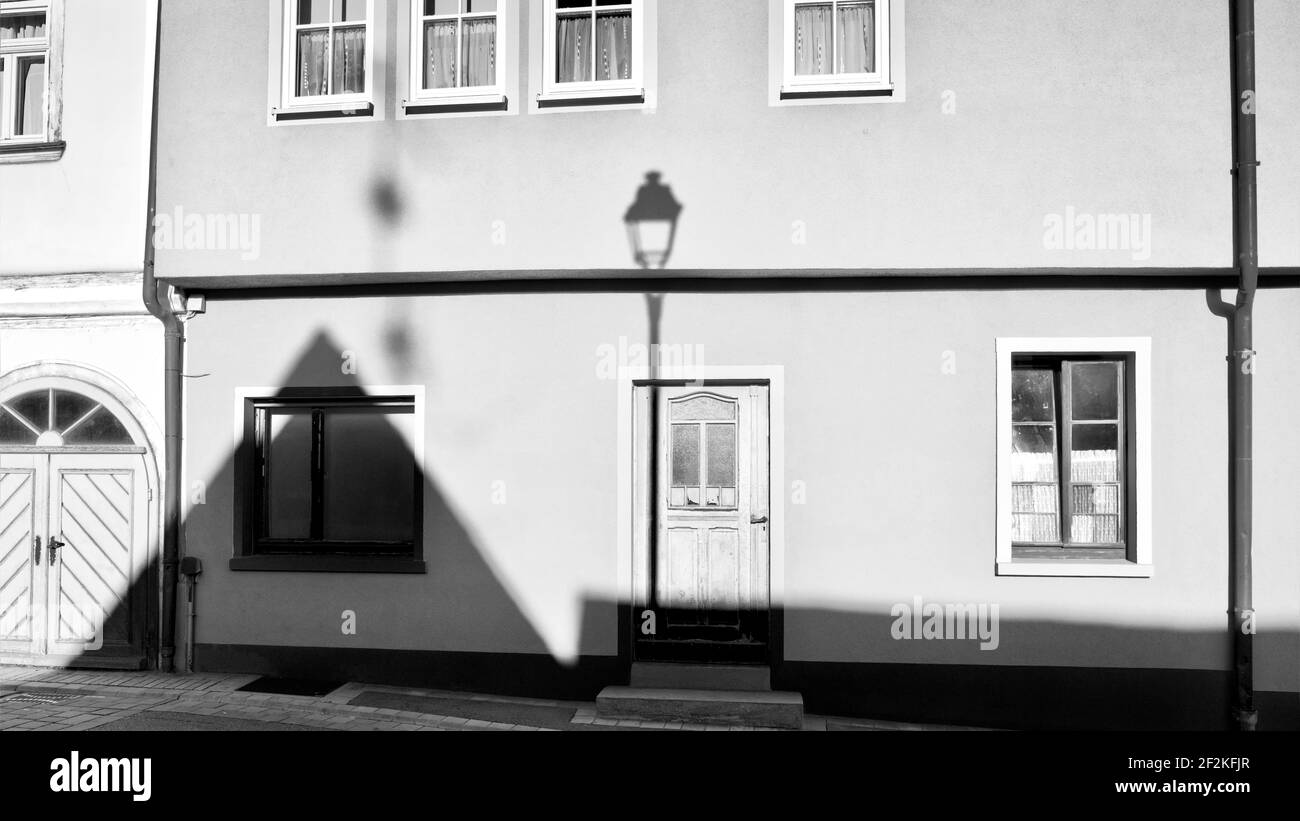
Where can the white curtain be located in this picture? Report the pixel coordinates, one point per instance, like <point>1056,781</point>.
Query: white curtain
<point>812,39</point>
<point>573,49</point>
<point>313,63</point>
<point>349,61</point>
<point>440,57</point>
<point>614,46</point>
<point>479,52</point>
<point>31,87</point>
<point>855,41</point>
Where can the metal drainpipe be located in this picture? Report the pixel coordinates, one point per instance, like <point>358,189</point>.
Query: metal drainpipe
<point>157,300</point>
<point>1246,253</point>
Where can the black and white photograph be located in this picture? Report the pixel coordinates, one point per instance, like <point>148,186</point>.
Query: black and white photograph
<point>925,372</point>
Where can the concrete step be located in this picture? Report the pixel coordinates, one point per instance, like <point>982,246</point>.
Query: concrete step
<point>744,707</point>
<point>701,676</point>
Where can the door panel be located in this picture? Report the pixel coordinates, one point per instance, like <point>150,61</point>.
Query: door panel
<point>18,568</point>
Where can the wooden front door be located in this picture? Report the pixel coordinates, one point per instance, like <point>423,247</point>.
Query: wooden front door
<point>708,556</point>
<point>72,557</point>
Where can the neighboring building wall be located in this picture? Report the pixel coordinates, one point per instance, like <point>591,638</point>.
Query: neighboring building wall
<point>897,457</point>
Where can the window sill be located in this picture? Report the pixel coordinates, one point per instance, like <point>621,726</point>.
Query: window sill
<point>328,564</point>
<point>591,97</point>
<point>25,152</point>
<point>1101,569</point>
<point>323,111</point>
<point>835,91</point>
<point>455,104</point>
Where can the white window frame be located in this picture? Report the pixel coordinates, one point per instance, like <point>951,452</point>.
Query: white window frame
<point>829,84</point>
<point>324,102</point>
<point>14,51</point>
<point>634,86</point>
<point>461,95</point>
<point>1139,563</point>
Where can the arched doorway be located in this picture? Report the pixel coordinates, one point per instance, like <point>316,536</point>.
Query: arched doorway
<point>76,514</point>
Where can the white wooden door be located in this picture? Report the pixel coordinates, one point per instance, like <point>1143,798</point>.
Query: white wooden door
<point>22,518</point>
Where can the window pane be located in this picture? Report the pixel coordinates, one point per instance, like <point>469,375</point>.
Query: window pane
<point>479,52</point>
<point>69,407</point>
<point>34,407</point>
<point>573,4</point>
<point>349,11</point>
<point>288,475</point>
<point>1033,398</point>
<point>313,12</point>
<point>349,61</point>
<point>441,7</point>
<point>1094,453</point>
<point>480,6</point>
<point>13,432</point>
<point>313,63</point>
<point>1095,514</point>
<point>721,462</point>
<point>369,476</point>
<point>812,39</point>
<point>855,44</point>
<point>614,46</point>
<point>13,26</point>
<point>573,49</point>
<point>440,54</point>
<point>686,456</point>
<point>31,97</point>
<point>1033,453</point>
<point>102,428</point>
<point>703,409</point>
<point>1094,390</point>
<point>1035,515</point>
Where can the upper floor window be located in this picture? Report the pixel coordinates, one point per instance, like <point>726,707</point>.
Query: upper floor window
<point>24,71</point>
<point>327,51</point>
<point>834,47</point>
<point>458,48</point>
<point>593,49</point>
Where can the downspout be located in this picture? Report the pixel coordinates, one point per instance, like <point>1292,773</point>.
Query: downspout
<point>157,298</point>
<point>1245,248</point>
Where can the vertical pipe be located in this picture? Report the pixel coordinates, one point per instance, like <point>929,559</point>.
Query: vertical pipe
<point>1246,259</point>
<point>156,299</point>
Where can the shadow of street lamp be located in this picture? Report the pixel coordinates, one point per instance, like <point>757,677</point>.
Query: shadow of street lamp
<point>652,222</point>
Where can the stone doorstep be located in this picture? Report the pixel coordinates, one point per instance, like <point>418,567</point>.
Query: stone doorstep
<point>701,676</point>
<point>743,707</point>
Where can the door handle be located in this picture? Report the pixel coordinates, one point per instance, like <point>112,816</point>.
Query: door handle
<point>55,544</point>
<point>36,553</point>
<point>758,520</point>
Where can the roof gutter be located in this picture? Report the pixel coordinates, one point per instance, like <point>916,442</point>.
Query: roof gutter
<point>1245,242</point>
<point>157,298</point>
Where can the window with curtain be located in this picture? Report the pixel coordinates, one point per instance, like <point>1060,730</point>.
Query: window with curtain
<point>328,45</point>
<point>1068,468</point>
<point>593,41</point>
<point>24,61</point>
<point>459,43</point>
<point>836,46</point>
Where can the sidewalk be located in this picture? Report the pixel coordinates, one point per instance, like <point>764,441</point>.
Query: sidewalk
<point>44,699</point>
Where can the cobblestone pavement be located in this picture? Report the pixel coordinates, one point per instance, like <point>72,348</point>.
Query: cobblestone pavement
<point>43,699</point>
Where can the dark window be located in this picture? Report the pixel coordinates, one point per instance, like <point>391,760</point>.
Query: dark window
<point>1069,463</point>
<point>332,476</point>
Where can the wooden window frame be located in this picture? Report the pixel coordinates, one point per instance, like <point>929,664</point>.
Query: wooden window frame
<point>48,145</point>
<point>293,105</point>
<point>460,96</point>
<point>836,84</point>
<point>256,551</point>
<point>1134,557</point>
<point>632,89</point>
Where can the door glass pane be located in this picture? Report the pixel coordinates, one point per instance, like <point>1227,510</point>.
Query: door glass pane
<point>13,432</point>
<point>721,461</point>
<point>812,39</point>
<point>31,97</point>
<point>1094,390</point>
<point>369,476</point>
<point>573,61</point>
<point>69,407</point>
<point>288,475</point>
<point>685,456</point>
<point>440,54</point>
<point>702,409</point>
<point>349,60</point>
<point>479,52</point>
<point>102,428</point>
<point>855,42</point>
<point>34,407</point>
<point>1033,398</point>
<point>614,46</point>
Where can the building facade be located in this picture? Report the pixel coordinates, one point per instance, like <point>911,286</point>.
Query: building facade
<point>926,413</point>
<point>81,389</point>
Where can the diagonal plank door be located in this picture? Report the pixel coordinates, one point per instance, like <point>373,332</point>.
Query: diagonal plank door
<point>20,576</point>
<point>98,517</point>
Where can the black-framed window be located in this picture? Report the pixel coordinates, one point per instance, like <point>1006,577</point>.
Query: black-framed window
<point>1071,466</point>
<point>331,483</point>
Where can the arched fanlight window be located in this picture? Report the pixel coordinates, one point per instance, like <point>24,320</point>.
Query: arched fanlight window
<point>53,418</point>
<point>703,452</point>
